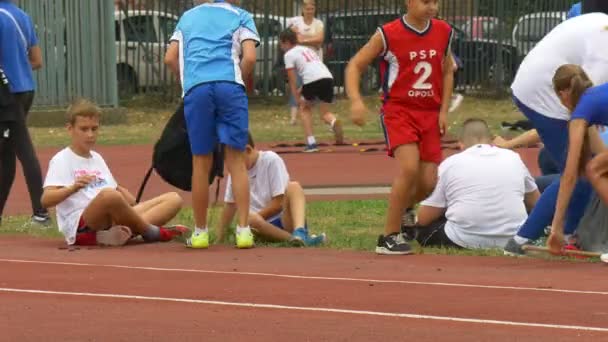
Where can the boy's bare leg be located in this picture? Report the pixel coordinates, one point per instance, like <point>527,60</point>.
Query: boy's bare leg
<point>294,209</point>
<point>268,230</point>
<point>330,119</point>
<point>160,210</point>
<point>326,115</point>
<point>427,179</point>
<point>235,163</point>
<point>306,114</point>
<point>201,166</point>
<point>403,187</point>
<point>109,208</point>
<point>597,173</point>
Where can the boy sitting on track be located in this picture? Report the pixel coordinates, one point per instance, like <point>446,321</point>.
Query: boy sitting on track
<point>91,207</point>
<point>278,206</point>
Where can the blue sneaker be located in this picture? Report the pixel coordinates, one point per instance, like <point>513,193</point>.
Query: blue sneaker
<point>311,148</point>
<point>316,240</point>
<point>300,235</point>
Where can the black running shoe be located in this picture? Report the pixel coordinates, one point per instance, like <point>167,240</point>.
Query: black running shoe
<point>393,244</point>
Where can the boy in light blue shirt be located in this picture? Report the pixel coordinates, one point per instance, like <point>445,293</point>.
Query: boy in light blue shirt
<point>212,51</point>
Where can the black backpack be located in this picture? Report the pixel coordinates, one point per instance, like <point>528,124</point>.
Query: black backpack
<point>7,100</point>
<point>172,157</point>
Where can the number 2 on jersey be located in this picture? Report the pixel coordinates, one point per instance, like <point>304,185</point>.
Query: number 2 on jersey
<point>427,70</point>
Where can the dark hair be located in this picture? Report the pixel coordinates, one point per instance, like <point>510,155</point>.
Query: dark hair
<point>250,140</point>
<point>288,36</point>
<point>572,77</point>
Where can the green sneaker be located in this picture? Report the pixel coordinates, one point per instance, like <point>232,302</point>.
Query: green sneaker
<point>244,239</point>
<point>200,241</point>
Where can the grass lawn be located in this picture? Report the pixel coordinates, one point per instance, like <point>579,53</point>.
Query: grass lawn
<point>269,120</point>
<point>350,225</point>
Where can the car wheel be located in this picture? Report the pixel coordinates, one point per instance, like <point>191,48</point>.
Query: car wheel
<point>500,74</point>
<point>127,82</point>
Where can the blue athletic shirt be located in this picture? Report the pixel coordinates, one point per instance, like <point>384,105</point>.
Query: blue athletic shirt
<point>575,10</point>
<point>593,106</point>
<point>17,36</point>
<point>210,37</point>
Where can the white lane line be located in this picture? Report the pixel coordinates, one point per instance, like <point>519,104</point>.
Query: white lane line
<point>305,308</point>
<point>303,277</point>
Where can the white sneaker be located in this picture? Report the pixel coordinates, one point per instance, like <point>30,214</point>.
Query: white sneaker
<point>456,102</point>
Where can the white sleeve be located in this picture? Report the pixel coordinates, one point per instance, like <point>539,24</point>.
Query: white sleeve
<point>58,174</point>
<point>106,171</point>
<point>278,177</point>
<point>229,196</point>
<point>319,26</point>
<point>529,182</point>
<point>438,198</point>
<point>290,60</point>
<point>596,58</point>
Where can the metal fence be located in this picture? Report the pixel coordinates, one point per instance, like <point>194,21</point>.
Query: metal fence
<point>492,37</point>
<point>77,42</point>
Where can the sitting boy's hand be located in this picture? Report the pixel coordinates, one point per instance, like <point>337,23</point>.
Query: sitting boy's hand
<point>82,182</point>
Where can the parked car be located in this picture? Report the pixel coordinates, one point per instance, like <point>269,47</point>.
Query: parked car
<point>142,37</point>
<point>346,33</point>
<point>531,28</point>
<point>271,56</point>
<point>141,41</point>
<point>486,61</point>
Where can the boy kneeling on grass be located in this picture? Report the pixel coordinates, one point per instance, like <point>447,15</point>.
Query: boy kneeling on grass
<point>277,208</point>
<point>92,209</point>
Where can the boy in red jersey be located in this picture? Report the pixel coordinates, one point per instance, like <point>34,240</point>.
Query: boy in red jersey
<point>418,82</point>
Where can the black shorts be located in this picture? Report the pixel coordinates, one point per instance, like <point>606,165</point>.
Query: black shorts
<point>434,235</point>
<point>322,90</point>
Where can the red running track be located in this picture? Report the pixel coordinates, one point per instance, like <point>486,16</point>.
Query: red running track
<point>345,167</point>
<point>164,291</point>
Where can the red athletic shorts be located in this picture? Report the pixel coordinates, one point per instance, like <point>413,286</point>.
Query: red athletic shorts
<point>402,126</point>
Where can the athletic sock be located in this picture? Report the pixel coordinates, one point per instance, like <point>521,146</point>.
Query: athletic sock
<point>310,140</point>
<point>521,240</point>
<point>151,234</point>
<point>198,231</point>
<point>239,229</point>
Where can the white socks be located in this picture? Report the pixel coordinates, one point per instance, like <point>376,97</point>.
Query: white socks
<point>198,231</point>
<point>520,240</point>
<point>240,229</point>
<point>310,140</point>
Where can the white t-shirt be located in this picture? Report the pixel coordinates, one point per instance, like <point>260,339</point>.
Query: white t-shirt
<point>308,30</point>
<point>268,178</point>
<point>582,40</point>
<point>63,170</point>
<point>307,64</point>
<point>483,190</point>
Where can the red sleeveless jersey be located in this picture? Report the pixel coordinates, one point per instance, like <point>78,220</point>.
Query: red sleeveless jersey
<point>412,63</point>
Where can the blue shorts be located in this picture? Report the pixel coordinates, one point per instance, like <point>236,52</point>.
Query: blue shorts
<point>216,112</point>
<point>277,222</point>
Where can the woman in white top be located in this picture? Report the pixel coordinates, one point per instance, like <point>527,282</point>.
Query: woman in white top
<point>311,33</point>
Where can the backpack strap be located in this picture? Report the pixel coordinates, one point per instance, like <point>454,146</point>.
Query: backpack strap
<point>140,192</point>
